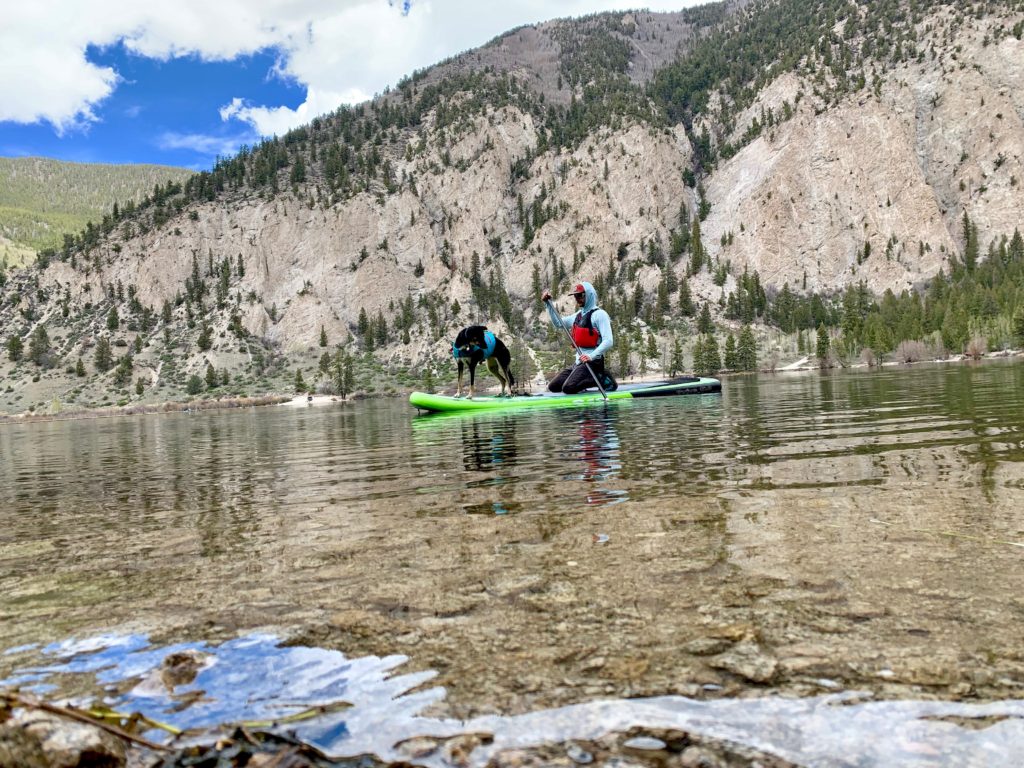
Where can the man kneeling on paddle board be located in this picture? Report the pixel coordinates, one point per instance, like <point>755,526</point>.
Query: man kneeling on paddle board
<point>591,331</point>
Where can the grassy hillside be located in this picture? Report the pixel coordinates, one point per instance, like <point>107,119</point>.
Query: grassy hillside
<point>41,199</point>
<point>14,255</point>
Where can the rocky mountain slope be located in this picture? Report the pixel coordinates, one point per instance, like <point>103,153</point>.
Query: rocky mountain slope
<point>818,145</point>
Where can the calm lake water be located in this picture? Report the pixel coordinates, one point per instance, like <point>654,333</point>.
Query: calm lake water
<point>824,567</point>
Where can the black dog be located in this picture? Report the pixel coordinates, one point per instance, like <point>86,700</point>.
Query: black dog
<point>474,345</point>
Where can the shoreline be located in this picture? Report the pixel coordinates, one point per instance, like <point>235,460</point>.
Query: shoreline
<point>295,401</point>
<point>144,410</point>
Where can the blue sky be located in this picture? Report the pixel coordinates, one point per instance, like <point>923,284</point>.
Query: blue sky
<point>178,83</point>
<point>163,112</point>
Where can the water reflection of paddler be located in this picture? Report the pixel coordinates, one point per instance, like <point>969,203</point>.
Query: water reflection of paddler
<point>599,446</point>
<point>599,454</point>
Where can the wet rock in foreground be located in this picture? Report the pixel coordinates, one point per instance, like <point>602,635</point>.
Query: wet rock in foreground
<point>74,745</point>
<point>30,736</point>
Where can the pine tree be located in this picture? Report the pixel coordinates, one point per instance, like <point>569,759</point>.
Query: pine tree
<point>696,248</point>
<point>662,303</point>
<point>342,375</point>
<point>624,347</point>
<point>686,308</point>
<point>300,383</point>
<point>323,336</point>
<point>746,350</point>
<point>712,359</point>
<point>970,236</point>
<point>474,270</point>
<point>704,323</point>
<point>706,359</point>
<point>123,374</point>
<point>80,369</point>
<point>298,172</point>
<point>113,320</point>
<point>1015,253</point>
<point>822,349</point>
<point>194,285</point>
<point>698,354</point>
<point>1018,328</point>
<point>652,347</point>
<point>38,345</point>
<point>103,357</point>
<point>15,347</point>
<point>223,284</point>
<point>731,363</point>
<point>676,362</point>
<point>205,340</point>
<point>211,376</point>
<point>535,288</point>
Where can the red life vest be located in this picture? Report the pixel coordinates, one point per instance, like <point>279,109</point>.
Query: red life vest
<point>583,331</point>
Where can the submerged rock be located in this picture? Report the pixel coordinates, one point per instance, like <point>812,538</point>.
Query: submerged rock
<point>68,744</point>
<point>20,749</point>
<point>707,646</point>
<point>644,743</point>
<point>748,661</point>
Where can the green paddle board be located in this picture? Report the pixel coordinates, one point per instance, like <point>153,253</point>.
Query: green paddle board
<point>688,385</point>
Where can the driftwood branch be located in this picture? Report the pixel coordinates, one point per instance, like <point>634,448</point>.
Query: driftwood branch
<point>71,713</point>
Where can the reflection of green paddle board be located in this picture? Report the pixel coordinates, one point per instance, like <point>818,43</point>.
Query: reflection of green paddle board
<point>687,385</point>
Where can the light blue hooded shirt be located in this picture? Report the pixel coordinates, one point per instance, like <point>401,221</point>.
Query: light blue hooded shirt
<point>600,320</point>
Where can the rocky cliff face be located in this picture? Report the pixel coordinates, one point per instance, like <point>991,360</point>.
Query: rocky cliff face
<point>892,170</point>
<point>895,170</point>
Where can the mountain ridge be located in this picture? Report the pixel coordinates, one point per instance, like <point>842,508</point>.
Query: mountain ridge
<point>721,184</point>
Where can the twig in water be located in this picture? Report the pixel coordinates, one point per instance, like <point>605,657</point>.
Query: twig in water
<point>18,700</point>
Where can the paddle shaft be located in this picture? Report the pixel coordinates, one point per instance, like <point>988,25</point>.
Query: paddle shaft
<point>578,352</point>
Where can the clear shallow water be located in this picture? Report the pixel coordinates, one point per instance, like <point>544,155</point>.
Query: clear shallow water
<point>799,535</point>
<point>254,678</point>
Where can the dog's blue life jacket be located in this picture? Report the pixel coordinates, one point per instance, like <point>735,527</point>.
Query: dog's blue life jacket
<point>488,348</point>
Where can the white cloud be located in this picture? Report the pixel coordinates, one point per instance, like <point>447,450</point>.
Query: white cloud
<point>341,51</point>
<point>205,144</point>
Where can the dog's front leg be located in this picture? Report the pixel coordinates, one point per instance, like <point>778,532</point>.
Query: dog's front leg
<point>458,389</point>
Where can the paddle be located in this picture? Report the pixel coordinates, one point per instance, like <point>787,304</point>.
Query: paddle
<point>578,352</point>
